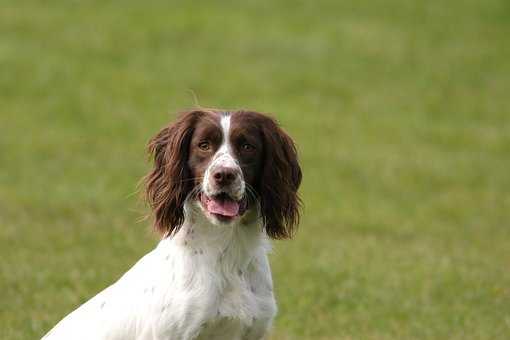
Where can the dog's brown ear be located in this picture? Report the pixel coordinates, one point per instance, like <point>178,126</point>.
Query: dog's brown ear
<point>168,184</point>
<point>279,199</point>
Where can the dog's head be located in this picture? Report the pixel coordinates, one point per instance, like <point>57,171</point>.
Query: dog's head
<point>224,165</point>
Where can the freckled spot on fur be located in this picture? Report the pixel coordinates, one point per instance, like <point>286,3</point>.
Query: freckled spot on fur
<point>102,305</point>
<point>185,243</point>
<point>195,252</point>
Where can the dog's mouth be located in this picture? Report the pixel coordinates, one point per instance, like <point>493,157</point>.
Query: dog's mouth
<point>223,206</point>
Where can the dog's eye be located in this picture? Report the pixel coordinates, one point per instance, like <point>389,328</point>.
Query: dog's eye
<point>204,145</point>
<point>247,147</point>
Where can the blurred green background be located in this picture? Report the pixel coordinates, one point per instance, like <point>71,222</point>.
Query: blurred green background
<point>400,110</point>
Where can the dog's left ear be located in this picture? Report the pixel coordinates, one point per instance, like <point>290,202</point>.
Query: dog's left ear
<point>167,185</point>
<point>279,199</point>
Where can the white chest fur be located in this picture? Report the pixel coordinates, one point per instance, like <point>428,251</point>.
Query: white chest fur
<point>202,283</point>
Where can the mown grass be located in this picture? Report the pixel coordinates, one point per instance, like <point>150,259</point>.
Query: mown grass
<point>400,110</point>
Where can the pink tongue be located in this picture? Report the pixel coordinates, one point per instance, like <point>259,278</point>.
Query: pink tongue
<point>223,207</point>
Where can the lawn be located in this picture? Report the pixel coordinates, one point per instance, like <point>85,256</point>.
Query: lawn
<point>400,109</point>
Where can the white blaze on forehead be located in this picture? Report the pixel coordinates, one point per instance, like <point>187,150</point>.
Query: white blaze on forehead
<point>225,148</point>
<point>225,128</point>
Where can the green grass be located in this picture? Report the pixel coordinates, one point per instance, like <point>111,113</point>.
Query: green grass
<point>400,110</point>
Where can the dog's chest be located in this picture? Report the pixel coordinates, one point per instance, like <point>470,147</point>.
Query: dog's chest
<point>215,297</point>
<point>222,328</point>
<point>223,305</point>
<point>230,311</point>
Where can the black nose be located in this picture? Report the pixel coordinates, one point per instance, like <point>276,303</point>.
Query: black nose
<point>224,176</point>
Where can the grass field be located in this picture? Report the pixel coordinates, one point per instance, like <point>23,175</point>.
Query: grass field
<point>401,110</point>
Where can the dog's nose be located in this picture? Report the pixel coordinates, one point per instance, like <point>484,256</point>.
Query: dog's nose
<point>224,175</point>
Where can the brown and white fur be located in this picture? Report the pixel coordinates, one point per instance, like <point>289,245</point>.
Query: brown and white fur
<point>222,184</point>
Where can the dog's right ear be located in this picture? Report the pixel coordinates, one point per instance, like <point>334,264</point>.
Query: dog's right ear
<point>168,184</point>
<point>281,178</point>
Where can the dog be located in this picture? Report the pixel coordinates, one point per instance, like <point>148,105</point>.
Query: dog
<point>222,185</point>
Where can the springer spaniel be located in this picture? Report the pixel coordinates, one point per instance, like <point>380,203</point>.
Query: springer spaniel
<point>222,184</point>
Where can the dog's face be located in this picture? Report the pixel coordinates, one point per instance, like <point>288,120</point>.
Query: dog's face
<point>225,158</point>
<point>224,164</point>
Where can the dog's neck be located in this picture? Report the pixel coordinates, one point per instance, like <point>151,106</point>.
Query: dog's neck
<point>230,246</point>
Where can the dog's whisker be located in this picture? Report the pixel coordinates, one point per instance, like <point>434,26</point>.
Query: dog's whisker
<point>251,193</point>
